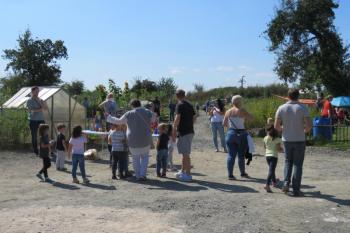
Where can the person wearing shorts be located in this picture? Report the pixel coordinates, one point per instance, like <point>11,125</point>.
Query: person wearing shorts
<point>183,126</point>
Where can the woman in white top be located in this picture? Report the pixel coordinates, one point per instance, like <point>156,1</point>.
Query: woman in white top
<point>216,118</point>
<point>236,138</point>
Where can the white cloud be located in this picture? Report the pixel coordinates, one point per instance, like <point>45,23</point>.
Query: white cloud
<point>244,68</point>
<point>177,70</point>
<point>265,75</point>
<point>225,68</point>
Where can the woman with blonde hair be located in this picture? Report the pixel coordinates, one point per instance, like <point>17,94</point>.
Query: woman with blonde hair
<point>236,138</point>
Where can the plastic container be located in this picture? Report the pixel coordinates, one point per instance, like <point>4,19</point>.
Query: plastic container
<point>322,128</point>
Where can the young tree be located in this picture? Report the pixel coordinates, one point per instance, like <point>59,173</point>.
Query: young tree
<point>36,60</point>
<point>75,87</point>
<point>112,87</point>
<point>168,86</point>
<point>198,87</point>
<point>308,47</point>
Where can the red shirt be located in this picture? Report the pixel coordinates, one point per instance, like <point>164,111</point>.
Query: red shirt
<point>327,108</point>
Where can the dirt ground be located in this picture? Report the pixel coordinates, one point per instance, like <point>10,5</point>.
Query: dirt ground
<point>210,203</point>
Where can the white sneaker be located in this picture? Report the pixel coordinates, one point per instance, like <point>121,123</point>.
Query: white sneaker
<point>185,178</point>
<point>178,174</point>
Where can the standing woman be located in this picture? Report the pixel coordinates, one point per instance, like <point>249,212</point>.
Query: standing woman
<point>139,135</point>
<point>216,118</point>
<point>35,106</point>
<point>236,138</point>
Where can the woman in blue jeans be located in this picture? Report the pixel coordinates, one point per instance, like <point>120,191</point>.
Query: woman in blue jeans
<point>236,137</point>
<point>216,118</point>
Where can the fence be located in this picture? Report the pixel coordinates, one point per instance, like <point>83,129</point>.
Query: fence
<point>334,133</point>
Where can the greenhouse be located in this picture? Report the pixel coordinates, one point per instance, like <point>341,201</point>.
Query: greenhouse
<point>62,108</point>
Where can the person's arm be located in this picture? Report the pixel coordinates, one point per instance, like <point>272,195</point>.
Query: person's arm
<point>278,124</point>
<point>225,122</point>
<point>109,140</point>
<point>64,143</point>
<point>308,124</point>
<point>280,148</point>
<point>278,121</point>
<point>244,113</point>
<point>118,121</point>
<point>102,105</point>
<point>176,124</point>
<point>70,147</point>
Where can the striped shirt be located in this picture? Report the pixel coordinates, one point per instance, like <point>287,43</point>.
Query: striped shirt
<point>118,139</point>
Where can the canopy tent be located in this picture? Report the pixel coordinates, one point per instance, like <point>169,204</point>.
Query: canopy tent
<point>62,108</point>
<point>341,101</point>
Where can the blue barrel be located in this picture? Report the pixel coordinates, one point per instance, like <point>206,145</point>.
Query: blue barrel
<point>322,128</point>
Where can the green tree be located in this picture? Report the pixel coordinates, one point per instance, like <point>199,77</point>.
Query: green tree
<point>309,50</point>
<point>168,86</point>
<point>113,88</point>
<point>35,61</point>
<point>198,87</point>
<point>76,87</point>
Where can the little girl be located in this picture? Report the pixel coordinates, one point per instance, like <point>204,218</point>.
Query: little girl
<point>171,146</point>
<point>76,147</point>
<point>272,144</point>
<point>119,150</point>
<point>162,150</point>
<point>44,151</point>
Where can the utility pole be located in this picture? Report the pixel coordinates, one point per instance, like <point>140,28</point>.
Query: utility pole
<point>242,81</point>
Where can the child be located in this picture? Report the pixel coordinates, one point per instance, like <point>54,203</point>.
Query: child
<point>76,147</point>
<point>162,150</point>
<point>61,147</point>
<point>44,151</point>
<point>171,146</point>
<point>272,144</point>
<point>119,150</point>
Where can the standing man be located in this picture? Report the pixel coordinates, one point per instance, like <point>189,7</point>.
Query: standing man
<point>293,119</point>
<point>327,110</point>
<point>172,108</point>
<point>35,107</point>
<point>109,107</point>
<point>156,105</point>
<point>183,126</point>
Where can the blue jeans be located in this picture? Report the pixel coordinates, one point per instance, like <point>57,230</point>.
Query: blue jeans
<point>294,159</point>
<point>34,126</point>
<point>78,159</point>
<point>237,144</point>
<point>271,176</point>
<point>215,128</point>
<point>162,159</point>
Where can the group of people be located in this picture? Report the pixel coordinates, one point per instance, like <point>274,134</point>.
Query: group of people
<point>131,133</point>
<point>337,115</point>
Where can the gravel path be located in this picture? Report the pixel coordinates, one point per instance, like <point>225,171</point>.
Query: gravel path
<point>210,203</point>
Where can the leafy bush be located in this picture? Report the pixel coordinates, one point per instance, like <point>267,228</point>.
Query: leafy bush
<point>14,127</point>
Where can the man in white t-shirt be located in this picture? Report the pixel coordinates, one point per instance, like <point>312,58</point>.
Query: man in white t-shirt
<point>293,119</point>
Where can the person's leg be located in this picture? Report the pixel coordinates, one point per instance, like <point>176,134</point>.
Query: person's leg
<point>214,134</point>
<point>110,154</point>
<point>121,163</point>
<point>221,130</point>
<point>269,174</point>
<point>242,149</point>
<point>75,161</point>
<point>136,165</point>
<point>81,160</point>
<point>298,161</point>
<point>170,156</point>
<point>164,161</point>
<point>232,152</point>
<point>288,163</point>
<point>159,163</point>
<point>47,165</point>
<point>33,125</point>
<point>186,164</point>
<point>126,163</point>
<point>144,165</point>
<point>58,159</point>
<point>63,158</point>
<point>114,163</point>
<point>274,165</point>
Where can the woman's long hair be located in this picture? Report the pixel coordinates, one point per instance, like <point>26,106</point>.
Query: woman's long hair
<point>221,105</point>
<point>77,131</point>
<point>272,132</point>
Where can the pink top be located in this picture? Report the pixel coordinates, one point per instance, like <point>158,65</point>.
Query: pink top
<point>78,145</point>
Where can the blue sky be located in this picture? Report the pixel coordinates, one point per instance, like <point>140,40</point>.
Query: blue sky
<point>212,42</point>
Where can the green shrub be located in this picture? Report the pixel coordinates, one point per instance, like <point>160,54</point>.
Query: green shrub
<point>14,127</point>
